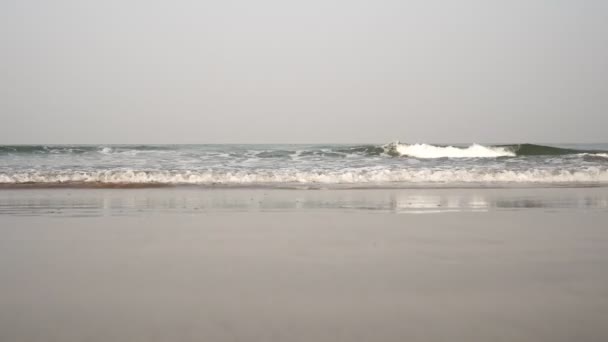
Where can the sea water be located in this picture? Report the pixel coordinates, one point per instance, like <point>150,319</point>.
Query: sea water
<point>393,165</point>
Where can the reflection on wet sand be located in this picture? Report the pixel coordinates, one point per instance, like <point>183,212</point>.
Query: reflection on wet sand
<point>143,265</point>
<point>418,204</point>
<point>117,202</point>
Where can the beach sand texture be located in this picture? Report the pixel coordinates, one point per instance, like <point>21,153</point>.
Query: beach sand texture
<point>95,268</point>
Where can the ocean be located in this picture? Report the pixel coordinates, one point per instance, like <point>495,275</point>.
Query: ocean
<point>402,242</point>
<point>393,165</point>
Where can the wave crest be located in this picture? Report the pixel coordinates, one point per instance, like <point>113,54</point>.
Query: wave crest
<point>426,151</point>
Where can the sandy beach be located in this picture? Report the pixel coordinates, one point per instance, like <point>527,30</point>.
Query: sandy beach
<point>303,171</point>
<point>290,265</point>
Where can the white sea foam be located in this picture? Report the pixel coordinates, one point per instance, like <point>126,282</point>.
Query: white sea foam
<point>600,155</point>
<point>425,151</point>
<point>362,177</point>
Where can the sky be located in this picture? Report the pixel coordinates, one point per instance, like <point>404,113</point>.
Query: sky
<point>315,71</point>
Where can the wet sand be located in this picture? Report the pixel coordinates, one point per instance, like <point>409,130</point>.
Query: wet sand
<point>272,265</point>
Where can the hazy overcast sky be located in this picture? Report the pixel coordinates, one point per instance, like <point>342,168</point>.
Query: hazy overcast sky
<point>272,71</point>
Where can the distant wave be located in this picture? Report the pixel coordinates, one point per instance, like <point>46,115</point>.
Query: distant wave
<point>541,150</point>
<point>594,156</point>
<point>358,177</point>
<point>427,151</point>
<point>45,149</point>
<point>78,149</point>
<point>395,149</point>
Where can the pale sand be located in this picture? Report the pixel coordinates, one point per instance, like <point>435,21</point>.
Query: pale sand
<point>93,268</point>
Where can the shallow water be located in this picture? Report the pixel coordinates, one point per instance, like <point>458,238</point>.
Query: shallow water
<point>134,202</point>
<point>394,165</point>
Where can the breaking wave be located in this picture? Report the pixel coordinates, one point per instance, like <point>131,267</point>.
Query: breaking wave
<point>395,149</point>
<point>357,177</point>
<point>425,151</point>
<point>392,165</point>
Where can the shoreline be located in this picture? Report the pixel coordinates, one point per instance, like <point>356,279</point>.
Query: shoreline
<point>192,200</point>
<point>302,186</point>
